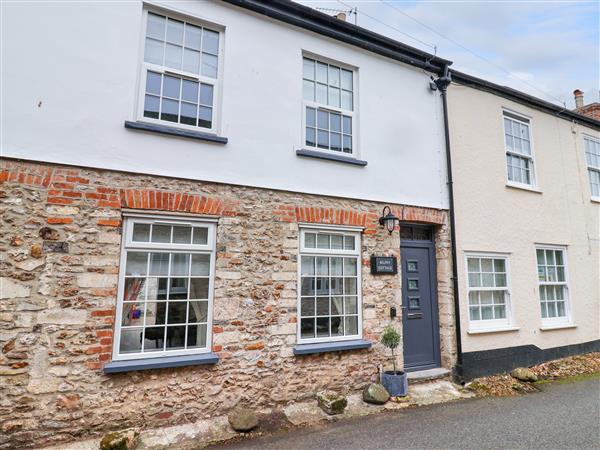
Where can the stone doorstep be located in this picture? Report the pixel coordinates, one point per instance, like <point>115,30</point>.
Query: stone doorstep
<point>205,432</point>
<point>423,376</point>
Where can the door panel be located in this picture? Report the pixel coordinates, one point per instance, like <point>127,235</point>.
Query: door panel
<point>419,307</point>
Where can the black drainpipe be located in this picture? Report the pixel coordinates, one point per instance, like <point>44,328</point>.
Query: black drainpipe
<point>442,84</point>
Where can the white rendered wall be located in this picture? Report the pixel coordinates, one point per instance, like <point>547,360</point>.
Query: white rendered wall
<point>492,217</point>
<point>70,74</point>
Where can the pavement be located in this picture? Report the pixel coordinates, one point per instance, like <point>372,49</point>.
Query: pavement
<point>565,415</point>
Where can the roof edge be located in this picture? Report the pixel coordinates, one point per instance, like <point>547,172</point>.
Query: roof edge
<point>521,97</point>
<point>321,23</point>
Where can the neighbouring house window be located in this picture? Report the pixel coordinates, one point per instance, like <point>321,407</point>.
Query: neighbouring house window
<point>519,155</point>
<point>552,278</point>
<point>180,73</point>
<point>328,92</point>
<point>488,290</point>
<point>592,156</point>
<point>330,294</point>
<point>165,288</point>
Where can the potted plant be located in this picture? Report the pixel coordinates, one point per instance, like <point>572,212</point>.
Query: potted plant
<point>395,380</point>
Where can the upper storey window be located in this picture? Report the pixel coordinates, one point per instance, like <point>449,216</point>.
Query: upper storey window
<point>329,93</point>
<point>519,153</point>
<point>592,156</point>
<point>180,73</point>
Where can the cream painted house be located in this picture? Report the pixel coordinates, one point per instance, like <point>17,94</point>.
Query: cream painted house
<point>527,207</point>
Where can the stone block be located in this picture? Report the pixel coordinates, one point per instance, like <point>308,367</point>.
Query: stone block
<point>12,289</point>
<point>331,402</point>
<point>96,280</point>
<point>62,316</point>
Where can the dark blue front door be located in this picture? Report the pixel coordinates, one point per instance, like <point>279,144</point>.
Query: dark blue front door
<point>419,306</point>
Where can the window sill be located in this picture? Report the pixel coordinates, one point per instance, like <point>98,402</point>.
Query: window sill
<point>523,187</point>
<point>492,330</point>
<point>331,157</point>
<point>566,326</point>
<point>160,363</point>
<point>324,347</point>
<point>173,131</point>
<point>595,199</point>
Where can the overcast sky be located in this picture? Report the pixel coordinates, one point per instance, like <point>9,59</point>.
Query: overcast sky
<point>552,45</point>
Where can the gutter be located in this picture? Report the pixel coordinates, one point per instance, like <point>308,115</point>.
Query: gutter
<point>442,84</point>
<point>321,23</point>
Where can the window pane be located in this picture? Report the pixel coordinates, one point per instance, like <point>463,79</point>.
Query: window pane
<point>337,326</point>
<point>349,266</point>
<point>170,110</point>
<point>153,52</point>
<point>157,288</point>
<point>161,233</point>
<point>159,264</point>
<point>499,265</point>
<point>175,338</point>
<point>351,324</point>
<point>180,264</point>
<point>349,242</point>
<point>141,232</point>
<point>347,125</point>
<point>131,340</point>
<point>350,286</point>
<point>322,306</point>
<point>210,41</point>
<point>189,91</point>
<point>308,265</point>
<point>156,313</point>
<point>175,31</point>
<point>156,26</point>
<point>311,138</point>
<point>209,65</point>
<point>178,289</point>
<point>198,312</point>
<point>154,339</point>
<point>308,69</point>
<point>323,119</point>
<point>173,54</point>
<point>133,314</point>
<point>134,289</point>
<point>335,141</point>
<point>198,288</point>
<point>337,286</point>
<point>473,298</point>
<point>182,235</point>
<point>337,306</point>
<point>189,112</point>
<point>347,100</point>
<point>322,241</point>
<point>351,305</point>
<point>153,82</point>
<point>487,313</point>
<point>205,117</point>
<point>200,236</point>
<point>347,79</point>
<point>500,280</point>
<point>321,93</point>
<point>335,122</point>
<point>322,286</point>
<point>196,336</point>
<point>334,97</point>
<point>560,309</point>
<point>336,263</point>
<point>177,312</point>
<point>322,72</point>
<point>334,76</point>
<point>474,280</point>
<point>307,306</point>
<point>474,313</point>
<point>137,263</point>
<point>308,89</point>
<point>322,265</point>
<point>200,265</point>
<point>307,328</point>
<point>191,60</point>
<point>171,86</point>
<point>309,240</point>
<point>193,36</point>
<point>206,94</point>
<point>322,326</point>
<point>307,286</point>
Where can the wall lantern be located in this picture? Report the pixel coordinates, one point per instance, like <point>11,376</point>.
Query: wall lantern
<point>388,219</point>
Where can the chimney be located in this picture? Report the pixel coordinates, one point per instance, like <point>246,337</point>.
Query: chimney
<point>578,98</point>
<point>341,16</point>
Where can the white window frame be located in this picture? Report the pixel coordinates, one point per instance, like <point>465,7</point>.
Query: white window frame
<point>494,324</point>
<point>128,244</point>
<point>554,321</point>
<point>591,168</point>
<point>344,112</point>
<point>525,120</point>
<point>144,67</point>
<point>357,252</point>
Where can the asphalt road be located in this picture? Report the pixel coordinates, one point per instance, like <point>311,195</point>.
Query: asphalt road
<point>562,416</point>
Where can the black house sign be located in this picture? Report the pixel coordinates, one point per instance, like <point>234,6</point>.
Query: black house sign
<point>384,265</point>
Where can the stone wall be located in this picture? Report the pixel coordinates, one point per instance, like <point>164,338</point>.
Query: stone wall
<point>61,229</point>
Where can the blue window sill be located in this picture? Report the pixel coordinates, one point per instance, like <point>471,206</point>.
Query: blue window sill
<point>331,157</point>
<point>324,347</point>
<point>160,363</point>
<point>164,129</point>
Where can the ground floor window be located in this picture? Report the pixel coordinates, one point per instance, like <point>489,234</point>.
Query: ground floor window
<point>552,276</point>
<point>488,291</point>
<point>165,287</point>
<point>329,292</point>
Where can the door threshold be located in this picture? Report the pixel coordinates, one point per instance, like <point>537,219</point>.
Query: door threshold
<point>421,376</point>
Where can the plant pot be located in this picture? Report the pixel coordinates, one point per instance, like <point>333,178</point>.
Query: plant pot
<point>396,383</point>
